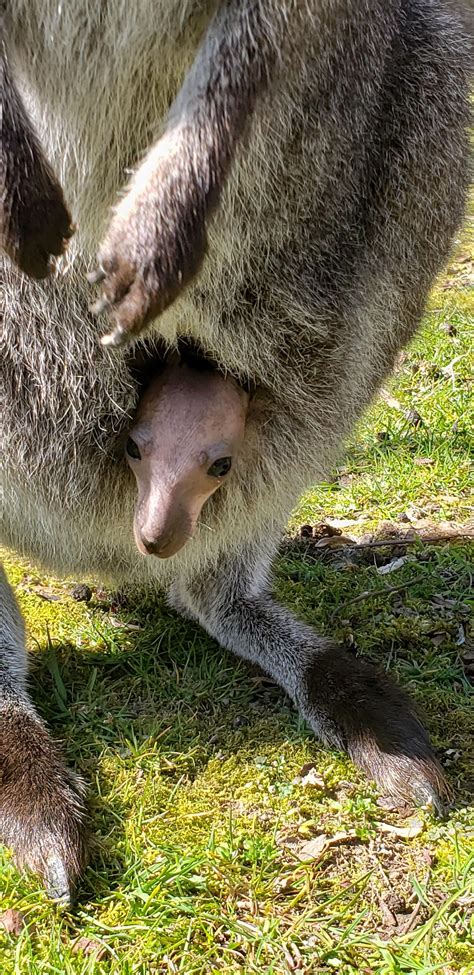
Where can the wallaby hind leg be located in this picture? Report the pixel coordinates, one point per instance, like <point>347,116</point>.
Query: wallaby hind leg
<point>348,704</point>
<point>41,806</point>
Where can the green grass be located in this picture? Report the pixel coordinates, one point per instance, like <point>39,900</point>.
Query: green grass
<point>391,463</point>
<point>191,757</point>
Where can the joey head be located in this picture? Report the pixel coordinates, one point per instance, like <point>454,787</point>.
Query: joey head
<point>181,448</point>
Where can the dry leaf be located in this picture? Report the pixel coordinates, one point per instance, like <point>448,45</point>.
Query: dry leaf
<point>412,828</point>
<point>309,776</point>
<point>389,916</point>
<point>120,625</point>
<point>438,638</point>
<point>244,904</point>
<point>89,947</point>
<point>292,960</point>
<point>467,657</point>
<point>439,600</point>
<point>284,885</point>
<point>460,636</point>
<point>468,654</point>
<point>384,570</point>
<point>390,400</point>
<point>345,480</point>
<point>335,541</point>
<point>413,417</point>
<point>47,594</point>
<point>466,900</point>
<point>289,841</point>
<point>313,779</point>
<point>13,922</point>
<point>391,804</point>
<point>314,849</point>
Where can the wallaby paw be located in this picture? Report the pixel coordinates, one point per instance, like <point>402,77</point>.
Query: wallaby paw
<point>38,228</point>
<point>154,246</point>
<point>41,805</point>
<point>47,239</point>
<point>353,706</point>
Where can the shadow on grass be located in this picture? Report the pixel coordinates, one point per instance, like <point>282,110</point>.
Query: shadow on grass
<point>162,700</point>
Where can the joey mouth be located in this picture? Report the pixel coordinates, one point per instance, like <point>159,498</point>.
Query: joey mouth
<point>162,546</point>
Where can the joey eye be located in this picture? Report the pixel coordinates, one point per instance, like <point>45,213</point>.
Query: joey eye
<point>220,467</point>
<point>132,450</point>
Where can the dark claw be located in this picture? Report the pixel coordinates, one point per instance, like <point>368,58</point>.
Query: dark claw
<point>102,304</point>
<point>56,881</point>
<point>97,276</point>
<point>116,338</point>
<point>71,230</point>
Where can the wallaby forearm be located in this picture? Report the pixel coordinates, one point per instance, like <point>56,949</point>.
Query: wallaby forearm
<point>181,178</point>
<point>234,65</point>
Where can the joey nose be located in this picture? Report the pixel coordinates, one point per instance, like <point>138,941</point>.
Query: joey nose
<point>154,546</point>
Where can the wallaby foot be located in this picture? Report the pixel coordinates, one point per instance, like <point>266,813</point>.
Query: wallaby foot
<point>41,804</point>
<point>350,704</point>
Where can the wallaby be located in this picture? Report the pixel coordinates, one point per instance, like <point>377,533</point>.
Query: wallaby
<point>298,173</point>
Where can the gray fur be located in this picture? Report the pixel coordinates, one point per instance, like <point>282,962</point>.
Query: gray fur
<point>312,168</point>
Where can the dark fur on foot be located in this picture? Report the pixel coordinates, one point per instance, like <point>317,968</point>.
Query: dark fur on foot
<point>376,723</point>
<point>41,805</point>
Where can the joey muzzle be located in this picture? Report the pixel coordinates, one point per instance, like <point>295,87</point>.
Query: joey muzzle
<point>165,520</point>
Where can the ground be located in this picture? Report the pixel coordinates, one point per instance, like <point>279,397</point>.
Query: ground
<point>226,839</point>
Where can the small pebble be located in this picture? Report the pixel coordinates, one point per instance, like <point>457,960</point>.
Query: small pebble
<point>82,593</point>
<point>240,721</point>
<point>414,417</point>
<point>449,328</point>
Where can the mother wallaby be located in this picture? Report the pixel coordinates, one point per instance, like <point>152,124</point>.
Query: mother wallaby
<point>299,170</point>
